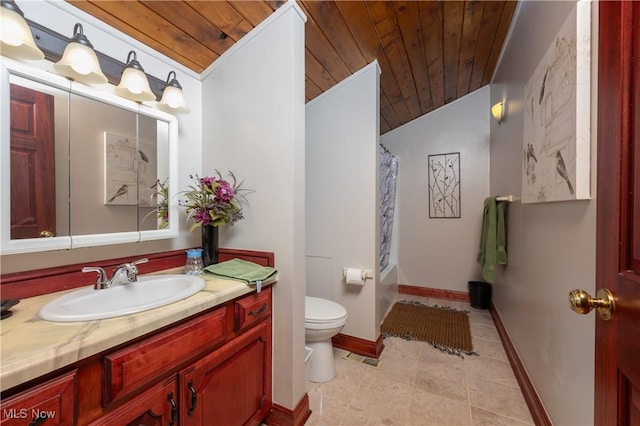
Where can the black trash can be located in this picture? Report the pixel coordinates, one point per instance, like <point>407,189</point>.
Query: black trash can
<point>479,294</point>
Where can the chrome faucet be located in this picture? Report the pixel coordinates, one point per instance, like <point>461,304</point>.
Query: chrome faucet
<point>124,274</point>
<point>101,281</point>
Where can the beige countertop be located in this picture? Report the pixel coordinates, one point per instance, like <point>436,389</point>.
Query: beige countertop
<point>31,347</point>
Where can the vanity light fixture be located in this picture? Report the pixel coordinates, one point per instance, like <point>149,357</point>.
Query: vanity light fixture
<point>79,61</point>
<point>497,111</point>
<point>173,99</point>
<point>16,40</point>
<point>133,83</point>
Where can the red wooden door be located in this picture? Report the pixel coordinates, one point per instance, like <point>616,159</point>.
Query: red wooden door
<point>617,350</point>
<point>32,164</point>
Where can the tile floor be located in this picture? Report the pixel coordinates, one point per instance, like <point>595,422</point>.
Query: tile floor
<point>416,384</point>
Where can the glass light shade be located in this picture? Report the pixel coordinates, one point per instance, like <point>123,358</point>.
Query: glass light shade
<point>134,84</point>
<point>16,40</point>
<point>80,63</point>
<point>173,99</point>
<point>497,111</point>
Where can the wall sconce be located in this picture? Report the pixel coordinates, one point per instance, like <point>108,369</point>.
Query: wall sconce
<point>173,99</point>
<point>497,111</point>
<point>16,40</point>
<point>134,84</point>
<point>79,61</point>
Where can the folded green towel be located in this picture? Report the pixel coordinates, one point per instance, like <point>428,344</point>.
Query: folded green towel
<point>242,270</point>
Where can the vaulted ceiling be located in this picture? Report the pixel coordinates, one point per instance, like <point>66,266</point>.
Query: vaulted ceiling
<point>430,52</point>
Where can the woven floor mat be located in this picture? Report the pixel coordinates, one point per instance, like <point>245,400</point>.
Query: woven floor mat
<point>444,328</point>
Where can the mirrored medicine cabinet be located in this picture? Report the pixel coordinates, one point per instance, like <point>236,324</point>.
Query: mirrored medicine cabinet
<point>81,167</point>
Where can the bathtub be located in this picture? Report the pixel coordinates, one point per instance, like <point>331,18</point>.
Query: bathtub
<point>388,290</point>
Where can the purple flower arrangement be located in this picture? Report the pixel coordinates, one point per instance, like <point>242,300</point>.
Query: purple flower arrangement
<point>214,201</point>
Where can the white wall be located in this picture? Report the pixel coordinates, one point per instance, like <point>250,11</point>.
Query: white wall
<point>441,253</point>
<point>253,109</point>
<point>551,245</point>
<point>61,17</point>
<point>342,213</point>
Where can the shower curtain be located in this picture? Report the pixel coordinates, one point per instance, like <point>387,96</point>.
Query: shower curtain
<point>388,177</point>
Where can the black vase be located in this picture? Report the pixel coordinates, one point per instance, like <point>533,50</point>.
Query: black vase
<point>209,245</point>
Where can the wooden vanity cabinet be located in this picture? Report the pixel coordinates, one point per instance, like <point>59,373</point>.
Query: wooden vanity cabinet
<point>52,403</point>
<point>212,369</point>
<point>227,384</point>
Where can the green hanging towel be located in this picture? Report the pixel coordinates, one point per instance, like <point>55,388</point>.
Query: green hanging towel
<point>242,270</point>
<point>493,241</point>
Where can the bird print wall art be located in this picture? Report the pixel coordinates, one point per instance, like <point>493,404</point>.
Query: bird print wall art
<point>130,171</point>
<point>121,192</point>
<point>556,152</point>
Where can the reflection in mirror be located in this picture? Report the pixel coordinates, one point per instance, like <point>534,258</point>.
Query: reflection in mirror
<point>39,169</point>
<point>153,176</point>
<point>99,170</point>
<point>103,161</point>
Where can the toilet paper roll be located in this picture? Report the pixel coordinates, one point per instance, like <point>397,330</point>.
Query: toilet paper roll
<point>354,276</point>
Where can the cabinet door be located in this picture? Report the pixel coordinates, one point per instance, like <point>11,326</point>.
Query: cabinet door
<point>157,406</point>
<point>231,385</point>
<point>51,403</point>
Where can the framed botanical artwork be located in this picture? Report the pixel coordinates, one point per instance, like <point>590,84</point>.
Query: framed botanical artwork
<point>444,185</point>
<point>557,104</point>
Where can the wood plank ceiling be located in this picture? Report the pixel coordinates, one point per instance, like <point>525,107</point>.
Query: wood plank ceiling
<point>430,52</point>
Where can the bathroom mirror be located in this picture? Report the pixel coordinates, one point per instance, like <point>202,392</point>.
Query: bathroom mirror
<point>81,167</point>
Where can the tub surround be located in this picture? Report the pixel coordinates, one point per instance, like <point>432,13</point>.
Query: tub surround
<point>32,347</point>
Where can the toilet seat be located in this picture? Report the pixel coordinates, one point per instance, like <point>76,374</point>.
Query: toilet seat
<point>323,313</point>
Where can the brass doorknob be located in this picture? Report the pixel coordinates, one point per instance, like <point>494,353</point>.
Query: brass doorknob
<point>582,303</point>
<point>46,234</point>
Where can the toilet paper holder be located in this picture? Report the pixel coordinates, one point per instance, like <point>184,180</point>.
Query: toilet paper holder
<point>365,273</point>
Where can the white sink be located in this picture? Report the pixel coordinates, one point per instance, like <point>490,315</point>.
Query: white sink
<point>147,293</point>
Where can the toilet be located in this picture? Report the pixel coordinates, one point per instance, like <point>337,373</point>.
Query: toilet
<point>323,319</point>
